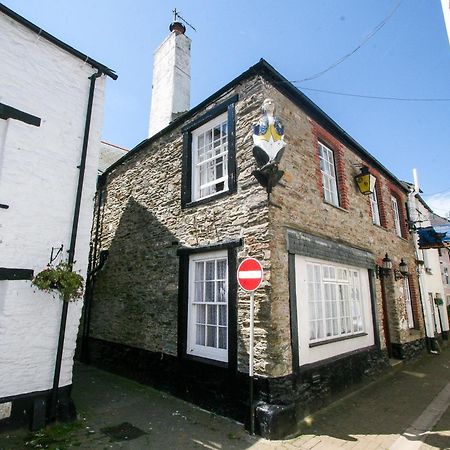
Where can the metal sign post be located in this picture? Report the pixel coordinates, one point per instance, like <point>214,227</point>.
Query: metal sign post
<point>250,275</point>
<point>251,358</point>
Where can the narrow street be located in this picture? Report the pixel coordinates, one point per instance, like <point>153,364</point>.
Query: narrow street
<point>407,409</point>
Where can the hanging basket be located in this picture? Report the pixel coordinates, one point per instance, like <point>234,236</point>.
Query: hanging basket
<point>62,279</point>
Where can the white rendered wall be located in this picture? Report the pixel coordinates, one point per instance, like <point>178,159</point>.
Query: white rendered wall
<point>171,81</point>
<point>38,180</point>
<point>432,278</point>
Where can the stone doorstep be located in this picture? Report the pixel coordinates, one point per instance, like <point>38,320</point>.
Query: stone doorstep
<point>396,363</point>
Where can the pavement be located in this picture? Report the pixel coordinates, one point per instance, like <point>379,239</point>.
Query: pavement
<point>407,409</point>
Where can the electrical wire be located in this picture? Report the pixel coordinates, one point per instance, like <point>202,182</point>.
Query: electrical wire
<point>364,41</point>
<point>375,97</point>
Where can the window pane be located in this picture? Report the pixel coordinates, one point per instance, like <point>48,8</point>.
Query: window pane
<point>221,294</point>
<point>199,270</point>
<point>210,270</point>
<point>209,291</point>
<point>212,315</point>
<point>201,315</point>
<point>222,337</point>
<point>223,315</point>
<point>211,336</point>
<point>199,291</point>
<point>200,335</point>
<point>221,269</point>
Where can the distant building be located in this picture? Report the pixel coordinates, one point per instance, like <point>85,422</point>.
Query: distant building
<point>109,154</point>
<point>444,258</point>
<point>429,268</point>
<point>48,170</point>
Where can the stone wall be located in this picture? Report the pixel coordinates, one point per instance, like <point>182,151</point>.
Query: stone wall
<point>143,224</point>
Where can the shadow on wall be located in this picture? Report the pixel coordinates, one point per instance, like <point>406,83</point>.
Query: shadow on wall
<point>135,294</point>
<point>134,319</point>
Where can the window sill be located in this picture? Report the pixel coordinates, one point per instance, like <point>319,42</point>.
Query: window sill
<point>206,200</point>
<point>335,206</point>
<point>330,341</point>
<point>203,360</point>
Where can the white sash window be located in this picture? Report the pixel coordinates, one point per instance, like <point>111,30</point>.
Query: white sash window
<point>328,175</point>
<point>210,158</point>
<point>208,306</point>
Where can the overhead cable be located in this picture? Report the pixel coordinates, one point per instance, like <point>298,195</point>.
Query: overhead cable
<point>375,97</point>
<point>364,41</point>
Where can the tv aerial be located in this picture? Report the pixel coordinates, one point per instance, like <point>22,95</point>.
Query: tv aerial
<point>177,17</point>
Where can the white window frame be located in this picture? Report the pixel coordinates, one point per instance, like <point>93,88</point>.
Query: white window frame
<point>408,303</point>
<point>396,211</point>
<point>200,162</point>
<point>335,301</point>
<point>194,325</point>
<point>312,352</point>
<point>374,207</point>
<point>328,169</point>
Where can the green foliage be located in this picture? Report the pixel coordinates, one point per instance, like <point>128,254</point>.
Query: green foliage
<point>438,301</point>
<point>61,278</point>
<point>58,436</point>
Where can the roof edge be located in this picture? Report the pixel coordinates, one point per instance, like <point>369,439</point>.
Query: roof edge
<point>262,67</point>
<point>54,40</point>
<point>288,88</point>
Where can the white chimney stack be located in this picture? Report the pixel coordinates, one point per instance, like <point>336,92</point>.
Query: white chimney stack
<point>171,88</point>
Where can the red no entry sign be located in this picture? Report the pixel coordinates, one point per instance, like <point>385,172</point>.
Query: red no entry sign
<point>250,274</point>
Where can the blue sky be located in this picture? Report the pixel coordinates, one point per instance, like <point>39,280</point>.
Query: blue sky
<point>408,58</point>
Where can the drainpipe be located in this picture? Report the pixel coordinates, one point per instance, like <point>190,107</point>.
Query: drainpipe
<point>73,239</point>
<point>92,270</point>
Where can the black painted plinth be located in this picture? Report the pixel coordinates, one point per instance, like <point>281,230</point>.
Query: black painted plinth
<point>31,409</point>
<point>281,403</point>
<point>410,350</point>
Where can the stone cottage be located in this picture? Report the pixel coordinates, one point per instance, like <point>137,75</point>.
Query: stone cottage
<point>177,214</point>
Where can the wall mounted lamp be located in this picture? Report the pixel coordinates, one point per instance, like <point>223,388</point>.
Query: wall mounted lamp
<point>365,181</point>
<point>402,271</point>
<point>385,269</point>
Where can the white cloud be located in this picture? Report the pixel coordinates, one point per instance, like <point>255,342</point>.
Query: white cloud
<point>439,203</point>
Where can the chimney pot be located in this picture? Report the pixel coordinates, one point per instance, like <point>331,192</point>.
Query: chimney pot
<point>177,27</point>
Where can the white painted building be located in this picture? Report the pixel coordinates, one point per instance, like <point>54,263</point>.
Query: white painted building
<point>47,91</point>
<point>430,277</point>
